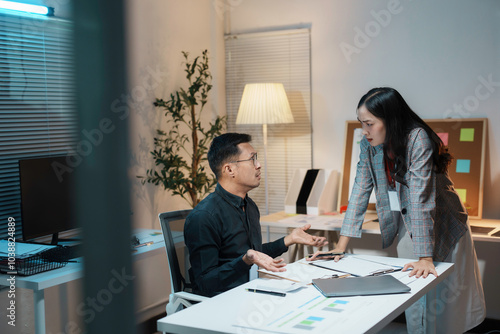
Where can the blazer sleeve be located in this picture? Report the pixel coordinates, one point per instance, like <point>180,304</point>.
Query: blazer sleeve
<point>422,188</point>
<point>360,195</point>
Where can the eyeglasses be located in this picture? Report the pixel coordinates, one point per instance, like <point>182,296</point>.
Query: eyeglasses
<point>254,158</point>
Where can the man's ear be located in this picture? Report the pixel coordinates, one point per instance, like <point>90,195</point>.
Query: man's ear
<point>228,170</point>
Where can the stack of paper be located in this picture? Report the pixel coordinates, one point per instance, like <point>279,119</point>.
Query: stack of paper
<point>25,258</point>
<point>22,249</point>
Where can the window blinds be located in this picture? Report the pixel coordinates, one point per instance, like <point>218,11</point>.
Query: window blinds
<point>37,100</point>
<point>281,57</point>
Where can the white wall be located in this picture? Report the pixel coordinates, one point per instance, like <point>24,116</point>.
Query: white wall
<point>158,31</point>
<point>433,52</point>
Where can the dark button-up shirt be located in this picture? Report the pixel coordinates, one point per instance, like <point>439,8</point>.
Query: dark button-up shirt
<point>218,232</point>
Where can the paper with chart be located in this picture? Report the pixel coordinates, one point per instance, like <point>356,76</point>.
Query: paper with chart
<point>306,311</point>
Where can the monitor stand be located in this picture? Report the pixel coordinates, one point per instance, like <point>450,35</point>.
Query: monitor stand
<point>55,239</point>
<point>73,247</point>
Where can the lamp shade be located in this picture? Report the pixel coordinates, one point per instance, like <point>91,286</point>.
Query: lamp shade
<point>264,103</point>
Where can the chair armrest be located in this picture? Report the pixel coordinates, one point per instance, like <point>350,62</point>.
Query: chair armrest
<point>190,296</point>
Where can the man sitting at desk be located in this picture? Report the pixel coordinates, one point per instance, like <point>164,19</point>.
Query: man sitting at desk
<point>223,232</point>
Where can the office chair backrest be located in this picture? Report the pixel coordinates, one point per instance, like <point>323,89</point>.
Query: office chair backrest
<point>166,218</point>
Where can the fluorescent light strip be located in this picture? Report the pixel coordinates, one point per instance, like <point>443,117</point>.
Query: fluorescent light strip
<point>22,7</point>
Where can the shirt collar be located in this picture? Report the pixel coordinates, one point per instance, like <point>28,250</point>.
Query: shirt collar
<point>234,200</point>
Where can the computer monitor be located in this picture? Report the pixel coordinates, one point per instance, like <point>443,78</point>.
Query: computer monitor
<point>46,206</point>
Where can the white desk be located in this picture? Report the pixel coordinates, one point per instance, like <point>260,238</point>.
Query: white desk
<point>239,311</point>
<point>72,271</point>
<point>39,282</point>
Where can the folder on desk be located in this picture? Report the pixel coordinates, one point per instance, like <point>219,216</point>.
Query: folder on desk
<point>360,286</point>
<point>356,266</point>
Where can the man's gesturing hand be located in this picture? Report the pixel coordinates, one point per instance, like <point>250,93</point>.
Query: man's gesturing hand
<point>299,236</point>
<point>263,261</point>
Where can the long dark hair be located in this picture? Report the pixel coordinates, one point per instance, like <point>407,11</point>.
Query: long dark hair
<point>387,104</point>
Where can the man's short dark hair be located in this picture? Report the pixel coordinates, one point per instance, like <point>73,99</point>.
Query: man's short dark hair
<point>224,148</point>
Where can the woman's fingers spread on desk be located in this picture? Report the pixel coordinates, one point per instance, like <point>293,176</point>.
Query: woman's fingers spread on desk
<point>421,268</point>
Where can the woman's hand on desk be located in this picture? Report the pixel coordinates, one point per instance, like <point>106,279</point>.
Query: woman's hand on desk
<point>336,255</point>
<point>423,267</point>
<point>263,261</point>
<point>341,247</point>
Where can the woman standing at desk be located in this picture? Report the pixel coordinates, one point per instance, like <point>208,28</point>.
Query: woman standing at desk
<point>404,161</point>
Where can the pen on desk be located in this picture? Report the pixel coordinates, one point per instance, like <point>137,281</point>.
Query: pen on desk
<point>144,244</point>
<point>273,293</point>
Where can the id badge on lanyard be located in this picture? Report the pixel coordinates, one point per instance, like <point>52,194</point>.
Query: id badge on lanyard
<point>394,201</point>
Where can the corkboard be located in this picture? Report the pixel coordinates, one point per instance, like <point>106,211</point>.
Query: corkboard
<point>467,143</point>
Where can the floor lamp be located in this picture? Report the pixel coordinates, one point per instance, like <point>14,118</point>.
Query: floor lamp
<point>264,103</point>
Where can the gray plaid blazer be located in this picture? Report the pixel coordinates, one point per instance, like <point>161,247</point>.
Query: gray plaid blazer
<point>431,209</point>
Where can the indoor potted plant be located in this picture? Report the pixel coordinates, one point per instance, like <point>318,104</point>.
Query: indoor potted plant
<point>180,152</point>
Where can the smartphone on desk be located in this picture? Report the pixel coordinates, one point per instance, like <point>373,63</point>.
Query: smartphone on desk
<point>327,254</point>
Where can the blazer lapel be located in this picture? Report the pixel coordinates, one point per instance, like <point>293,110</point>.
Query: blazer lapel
<point>387,229</point>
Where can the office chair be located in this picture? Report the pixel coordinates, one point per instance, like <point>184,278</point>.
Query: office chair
<point>180,296</point>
